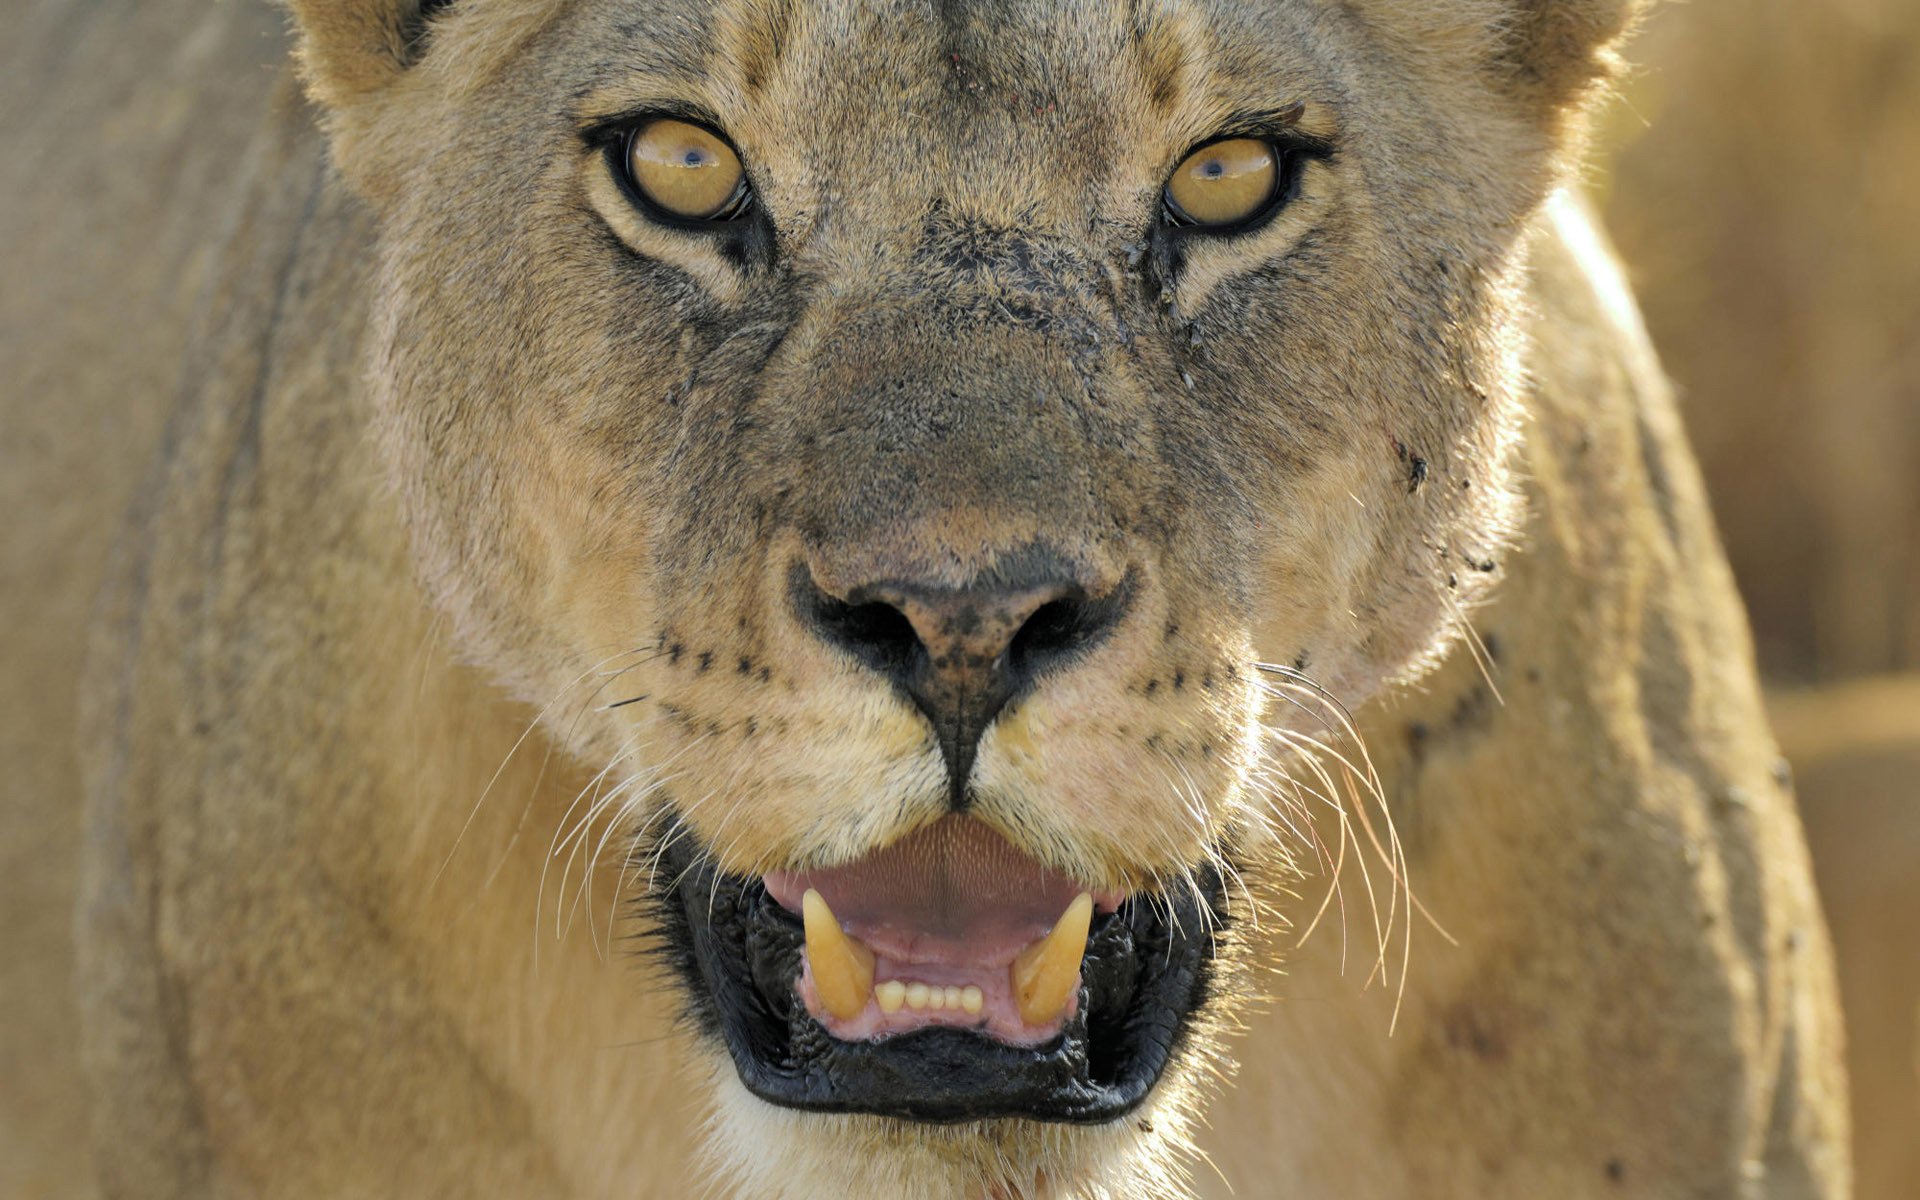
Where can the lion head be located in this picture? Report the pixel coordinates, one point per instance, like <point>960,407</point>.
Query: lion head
<point>971,444</point>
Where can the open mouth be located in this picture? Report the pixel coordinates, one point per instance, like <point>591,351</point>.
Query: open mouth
<point>946,977</point>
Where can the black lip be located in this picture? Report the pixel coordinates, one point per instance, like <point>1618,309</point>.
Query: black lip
<point>1148,968</point>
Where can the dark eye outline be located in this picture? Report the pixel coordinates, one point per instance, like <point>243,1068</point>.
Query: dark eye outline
<point>1292,151</point>
<point>616,139</point>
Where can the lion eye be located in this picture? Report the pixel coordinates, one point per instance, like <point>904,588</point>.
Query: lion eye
<point>687,171</point>
<point>1223,183</point>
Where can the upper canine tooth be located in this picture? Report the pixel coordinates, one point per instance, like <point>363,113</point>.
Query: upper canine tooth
<point>1047,973</point>
<point>842,967</point>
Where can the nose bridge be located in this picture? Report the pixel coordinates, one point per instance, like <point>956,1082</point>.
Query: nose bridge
<point>969,268</point>
<point>1025,266</point>
<point>966,393</point>
<point>960,498</point>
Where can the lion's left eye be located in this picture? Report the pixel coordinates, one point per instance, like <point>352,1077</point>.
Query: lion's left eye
<point>1223,184</point>
<point>687,171</point>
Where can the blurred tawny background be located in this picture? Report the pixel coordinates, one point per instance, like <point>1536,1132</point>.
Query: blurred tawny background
<point>1761,177</point>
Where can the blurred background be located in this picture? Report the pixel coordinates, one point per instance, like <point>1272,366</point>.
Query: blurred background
<point>1761,177</point>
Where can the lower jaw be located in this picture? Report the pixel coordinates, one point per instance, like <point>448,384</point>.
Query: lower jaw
<point>1148,968</point>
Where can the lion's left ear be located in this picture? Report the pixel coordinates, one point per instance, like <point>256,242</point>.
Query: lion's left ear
<point>351,50</point>
<point>1550,55</point>
<point>1555,52</point>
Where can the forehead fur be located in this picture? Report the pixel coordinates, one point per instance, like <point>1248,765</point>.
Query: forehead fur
<point>1544,53</point>
<point>990,96</point>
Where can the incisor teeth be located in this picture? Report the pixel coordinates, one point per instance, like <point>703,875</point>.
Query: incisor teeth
<point>1047,973</point>
<point>895,994</point>
<point>842,967</point>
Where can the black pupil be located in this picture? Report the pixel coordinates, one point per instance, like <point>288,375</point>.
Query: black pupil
<point>1214,169</point>
<point>695,158</point>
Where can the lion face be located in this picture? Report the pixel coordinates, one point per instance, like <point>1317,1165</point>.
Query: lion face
<point>921,423</point>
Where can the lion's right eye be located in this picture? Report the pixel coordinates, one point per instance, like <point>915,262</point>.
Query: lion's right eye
<point>687,171</point>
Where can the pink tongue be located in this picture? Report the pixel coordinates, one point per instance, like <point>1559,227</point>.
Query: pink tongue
<point>952,892</point>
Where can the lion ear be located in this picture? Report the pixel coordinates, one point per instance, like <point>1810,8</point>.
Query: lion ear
<point>1549,55</point>
<point>1557,51</point>
<point>351,50</point>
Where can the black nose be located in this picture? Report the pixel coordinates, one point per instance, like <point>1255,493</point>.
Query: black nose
<point>962,654</point>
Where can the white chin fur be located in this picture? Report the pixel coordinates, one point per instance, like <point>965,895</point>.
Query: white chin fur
<point>765,1152</point>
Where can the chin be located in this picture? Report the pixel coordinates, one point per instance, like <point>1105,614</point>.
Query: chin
<point>760,1149</point>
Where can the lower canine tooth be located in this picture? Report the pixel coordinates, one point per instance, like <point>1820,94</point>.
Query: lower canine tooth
<point>842,967</point>
<point>1047,973</point>
<point>891,995</point>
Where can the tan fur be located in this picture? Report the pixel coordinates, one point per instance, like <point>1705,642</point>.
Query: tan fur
<point>467,450</point>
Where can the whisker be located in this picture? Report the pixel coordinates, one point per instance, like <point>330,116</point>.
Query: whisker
<point>566,834</point>
<point>515,749</point>
<point>1305,751</point>
<point>643,788</point>
<point>1334,866</point>
<point>1370,775</point>
<point>617,800</point>
<point>575,836</point>
<point>1362,780</point>
<point>1482,657</point>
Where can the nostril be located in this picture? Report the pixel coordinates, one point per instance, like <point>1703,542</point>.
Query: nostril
<point>875,632</point>
<point>1065,626</point>
<point>961,654</point>
<point>1056,628</point>
<point>878,633</point>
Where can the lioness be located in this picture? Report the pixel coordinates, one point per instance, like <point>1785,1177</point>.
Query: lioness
<point>965,536</point>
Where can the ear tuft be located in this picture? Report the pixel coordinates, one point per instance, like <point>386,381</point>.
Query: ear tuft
<point>351,49</point>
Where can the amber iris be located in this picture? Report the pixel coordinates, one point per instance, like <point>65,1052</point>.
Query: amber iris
<point>686,170</point>
<point>1224,183</point>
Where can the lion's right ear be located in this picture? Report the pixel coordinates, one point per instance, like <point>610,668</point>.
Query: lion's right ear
<point>353,56</point>
<point>351,50</point>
